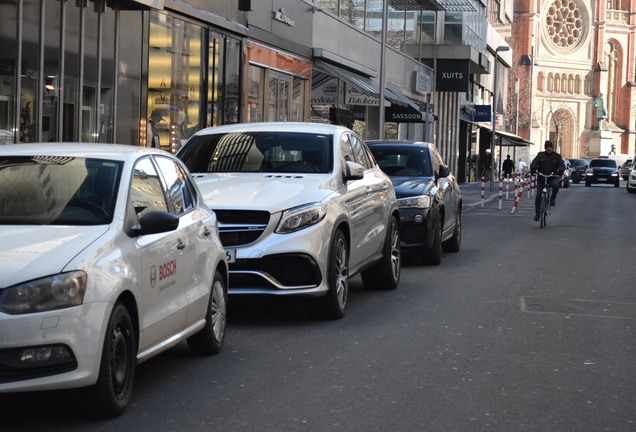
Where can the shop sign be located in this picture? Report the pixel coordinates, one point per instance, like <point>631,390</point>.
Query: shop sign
<point>325,94</point>
<point>280,16</point>
<point>482,113</point>
<point>356,97</point>
<point>402,114</point>
<point>452,75</point>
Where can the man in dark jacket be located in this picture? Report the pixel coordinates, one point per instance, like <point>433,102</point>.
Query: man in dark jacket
<point>508,166</point>
<point>547,162</point>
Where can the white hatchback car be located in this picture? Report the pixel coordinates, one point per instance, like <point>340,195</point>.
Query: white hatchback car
<point>109,257</point>
<point>302,208</point>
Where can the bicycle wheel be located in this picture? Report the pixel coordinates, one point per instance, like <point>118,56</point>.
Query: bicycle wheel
<point>545,206</point>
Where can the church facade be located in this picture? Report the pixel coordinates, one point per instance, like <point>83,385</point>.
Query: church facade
<point>573,78</point>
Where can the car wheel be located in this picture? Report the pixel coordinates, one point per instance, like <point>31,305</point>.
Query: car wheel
<point>454,243</point>
<point>588,184</point>
<point>209,340</point>
<point>630,190</point>
<point>433,256</point>
<point>385,275</point>
<point>113,390</point>
<point>333,304</point>
<point>617,184</point>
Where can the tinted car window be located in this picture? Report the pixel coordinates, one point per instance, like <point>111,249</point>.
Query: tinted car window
<point>179,189</point>
<point>146,193</point>
<point>259,152</point>
<point>361,155</point>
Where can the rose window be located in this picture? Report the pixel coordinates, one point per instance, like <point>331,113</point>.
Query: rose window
<point>564,23</point>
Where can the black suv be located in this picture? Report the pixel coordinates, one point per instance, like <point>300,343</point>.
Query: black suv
<point>577,169</point>
<point>429,198</point>
<point>602,171</point>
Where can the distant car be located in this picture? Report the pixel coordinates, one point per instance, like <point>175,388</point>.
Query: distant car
<point>602,171</point>
<point>429,197</point>
<point>625,169</point>
<point>302,208</point>
<point>631,180</point>
<point>108,258</point>
<point>578,167</point>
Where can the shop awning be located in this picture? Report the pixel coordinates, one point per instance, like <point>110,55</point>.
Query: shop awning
<point>362,83</point>
<point>506,139</point>
<point>512,140</point>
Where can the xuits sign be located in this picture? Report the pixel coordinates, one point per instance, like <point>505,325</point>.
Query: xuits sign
<point>452,75</point>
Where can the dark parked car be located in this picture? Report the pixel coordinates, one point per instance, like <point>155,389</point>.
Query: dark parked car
<point>429,198</point>
<point>602,171</point>
<point>577,169</point>
<point>626,168</point>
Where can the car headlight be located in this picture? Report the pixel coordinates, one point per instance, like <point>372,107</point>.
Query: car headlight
<point>301,217</point>
<point>614,174</point>
<point>423,202</point>
<point>49,293</point>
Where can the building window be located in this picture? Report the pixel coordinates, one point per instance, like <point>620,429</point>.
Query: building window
<point>453,25</point>
<point>174,79</point>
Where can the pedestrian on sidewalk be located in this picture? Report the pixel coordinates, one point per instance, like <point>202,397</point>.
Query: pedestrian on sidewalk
<point>508,167</point>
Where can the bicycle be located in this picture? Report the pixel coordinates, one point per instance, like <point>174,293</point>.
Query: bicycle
<point>546,196</point>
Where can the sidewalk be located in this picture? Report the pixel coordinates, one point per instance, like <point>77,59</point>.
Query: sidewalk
<point>471,193</point>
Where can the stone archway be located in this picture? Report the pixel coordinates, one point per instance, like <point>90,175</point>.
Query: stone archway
<point>562,133</point>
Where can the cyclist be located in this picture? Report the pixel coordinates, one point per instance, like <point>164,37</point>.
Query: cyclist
<point>547,162</point>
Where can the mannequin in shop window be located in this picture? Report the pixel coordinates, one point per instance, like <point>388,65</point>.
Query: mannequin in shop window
<point>151,131</point>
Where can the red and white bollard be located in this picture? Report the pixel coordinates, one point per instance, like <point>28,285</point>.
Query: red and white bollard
<point>500,191</point>
<point>483,183</point>
<point>516,204</point>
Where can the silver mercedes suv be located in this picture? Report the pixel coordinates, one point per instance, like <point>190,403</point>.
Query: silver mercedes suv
<point>302,208</point>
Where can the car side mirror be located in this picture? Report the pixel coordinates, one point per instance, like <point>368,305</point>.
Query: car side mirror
<point>156,222</point>
<point>444,171</point>
<point>353,171</point>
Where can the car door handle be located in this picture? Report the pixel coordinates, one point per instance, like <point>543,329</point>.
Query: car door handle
<point>206,231</point>
<point>180,244</point>
<point>369,190</point>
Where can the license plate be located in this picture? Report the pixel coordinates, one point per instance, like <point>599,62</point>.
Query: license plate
<point>230,255</point>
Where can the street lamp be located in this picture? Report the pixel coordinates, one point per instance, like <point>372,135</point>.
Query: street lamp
<point>493,118</point>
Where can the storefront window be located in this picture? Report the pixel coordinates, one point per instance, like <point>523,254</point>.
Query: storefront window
<point>72,57</point>
<point>278,97</point>
<point>298,100</point>
<point>30,72</point>
<point>129,129</point>
<point>8,54</point>
<point>174,81</point>
<point>215,89</point>
<point>231,112</point>
<point>255,94</point>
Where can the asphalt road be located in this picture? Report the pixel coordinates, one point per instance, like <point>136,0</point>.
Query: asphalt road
<point>525,329</point>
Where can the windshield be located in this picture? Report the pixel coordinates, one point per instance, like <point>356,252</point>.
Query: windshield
<point>56,190</point>
<point>606,163</point>
<point>288,152</point>
<point>399,161</point>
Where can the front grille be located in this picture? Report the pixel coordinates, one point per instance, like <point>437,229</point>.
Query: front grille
<point>275,271</point>
<point>413,235</point>
<point>241,227</point>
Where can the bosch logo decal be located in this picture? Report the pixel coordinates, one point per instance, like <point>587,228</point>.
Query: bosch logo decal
<point>167,269</point>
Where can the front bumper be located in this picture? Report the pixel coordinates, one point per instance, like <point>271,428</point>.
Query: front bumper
<point>78,331</point>
<point>283,264</point>
<point>416,228</point>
